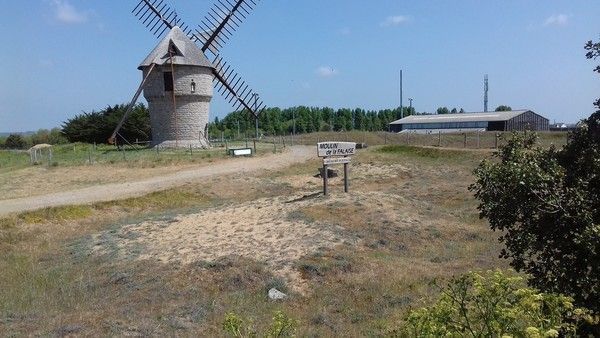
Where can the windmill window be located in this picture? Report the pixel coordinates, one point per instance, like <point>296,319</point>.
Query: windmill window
<point>168,79</point>
<point>193,86</point>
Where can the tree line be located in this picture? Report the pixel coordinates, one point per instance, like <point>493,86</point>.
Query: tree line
<point>25,141</point>
<point>302,119</point>
<point>97,126</point>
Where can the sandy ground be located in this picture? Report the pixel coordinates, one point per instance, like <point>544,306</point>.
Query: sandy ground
<point>266,230</point>
<point>270,230</point>
<point>161,181</point>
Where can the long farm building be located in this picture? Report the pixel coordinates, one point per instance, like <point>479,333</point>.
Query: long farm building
<point>517,120</point>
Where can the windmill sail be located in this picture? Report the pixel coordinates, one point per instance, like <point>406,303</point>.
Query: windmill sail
<point>213,32</point>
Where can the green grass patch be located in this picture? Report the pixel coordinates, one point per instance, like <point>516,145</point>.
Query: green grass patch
<point>422,152</point>
<point>57,214</point>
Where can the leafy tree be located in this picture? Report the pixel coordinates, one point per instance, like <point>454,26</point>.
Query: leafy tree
<point>15,141</point>
<point>494,304</point>
<point>98,126</point>
<point>593,52</point>
<point>53,136</point>
<point>442,110</point>
<point>547,204</point>
<point>503,108</point>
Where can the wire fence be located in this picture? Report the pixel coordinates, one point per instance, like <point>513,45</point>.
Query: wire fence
<point>471,140</point>
<point>140,155</point>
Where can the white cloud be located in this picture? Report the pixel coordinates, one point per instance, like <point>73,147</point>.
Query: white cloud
<point>395,20</point>
<point>66,13</point>
<point>557,20</point>
<point>326,71</point>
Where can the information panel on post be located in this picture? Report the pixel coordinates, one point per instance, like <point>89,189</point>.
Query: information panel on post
<point>336,160</point>
<point>328,149</point>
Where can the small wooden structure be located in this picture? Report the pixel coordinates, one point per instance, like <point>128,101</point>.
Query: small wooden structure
<point>38,151</point>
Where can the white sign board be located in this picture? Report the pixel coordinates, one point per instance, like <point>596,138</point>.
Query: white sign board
<point>242,152</point>
<point>326,149</point>
<point>336,160</point>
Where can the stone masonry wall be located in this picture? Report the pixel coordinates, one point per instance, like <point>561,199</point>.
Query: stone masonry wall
<point>187,125</point>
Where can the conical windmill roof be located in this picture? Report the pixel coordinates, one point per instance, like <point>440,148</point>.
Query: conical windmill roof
<point>184,51</point>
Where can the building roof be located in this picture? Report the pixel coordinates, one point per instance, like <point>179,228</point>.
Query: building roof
<point>184,52</point>
<point>462,117</point>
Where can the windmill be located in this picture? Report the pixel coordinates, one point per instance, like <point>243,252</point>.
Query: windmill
<point>209,37</point>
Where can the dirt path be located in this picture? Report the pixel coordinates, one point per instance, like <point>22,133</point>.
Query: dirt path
<point>115,191</point>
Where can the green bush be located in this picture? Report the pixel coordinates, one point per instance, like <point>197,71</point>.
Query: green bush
<point>546,204</point>
<point>97,127</point>
<point>53,136</point>
<point>281,326</point>
<point>494,304</point>
<point>15,141</point>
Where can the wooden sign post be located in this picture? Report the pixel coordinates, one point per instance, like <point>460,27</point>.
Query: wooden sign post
<point>335,153</point>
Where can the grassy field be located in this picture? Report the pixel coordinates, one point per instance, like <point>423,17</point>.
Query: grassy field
<point>113,269</point>
<point>79,154</point>
<point>484,140</point>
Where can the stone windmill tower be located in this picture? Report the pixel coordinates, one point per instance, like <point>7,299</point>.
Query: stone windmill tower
<point>178,76</point>
<point>178,89</point>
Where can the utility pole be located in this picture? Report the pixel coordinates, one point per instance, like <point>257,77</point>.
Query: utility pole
<point>486,88</point>
<point>401,102</point>
<point>410,109</point>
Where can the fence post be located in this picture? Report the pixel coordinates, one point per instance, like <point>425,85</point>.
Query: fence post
<point>440,139</point>
<point>254,140</point>
<point>191,151</point>
<point>465,140</point>
<point>496,141</point>
<point>325,179</point>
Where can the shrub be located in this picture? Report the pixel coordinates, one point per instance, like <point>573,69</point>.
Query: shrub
<point>546,203</point>
<point>15,141</point>
<point>53,136</point>
<point>494,304</point>
<point>98,126</point>
<point>281,326</point>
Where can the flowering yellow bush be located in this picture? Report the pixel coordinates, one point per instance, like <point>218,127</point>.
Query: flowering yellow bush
<point>494,304</point>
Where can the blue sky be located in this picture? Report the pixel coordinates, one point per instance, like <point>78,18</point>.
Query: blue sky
<point>62,57</point>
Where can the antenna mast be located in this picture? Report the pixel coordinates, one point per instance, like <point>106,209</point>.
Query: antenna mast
<point>485,95</point>
<point>401,103</point>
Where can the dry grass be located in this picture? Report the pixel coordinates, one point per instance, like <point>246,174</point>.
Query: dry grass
<point>409,220</point>
<point>484,140</point>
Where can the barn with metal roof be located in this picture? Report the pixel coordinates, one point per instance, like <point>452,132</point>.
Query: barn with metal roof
<point>517,120</point>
